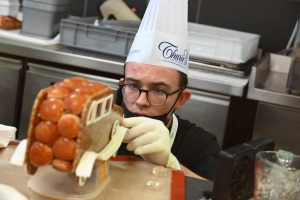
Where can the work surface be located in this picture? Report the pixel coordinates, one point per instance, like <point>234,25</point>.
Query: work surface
<point>191,188</point>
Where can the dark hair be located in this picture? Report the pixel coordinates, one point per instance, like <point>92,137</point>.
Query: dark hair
<point>183,79</point>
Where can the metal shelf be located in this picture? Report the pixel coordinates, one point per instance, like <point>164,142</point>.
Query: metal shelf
<point>210,82</point>
<point>268,81</point>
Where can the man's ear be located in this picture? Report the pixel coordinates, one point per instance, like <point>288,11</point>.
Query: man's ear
<point>184,97</point>
<point>121,81</point>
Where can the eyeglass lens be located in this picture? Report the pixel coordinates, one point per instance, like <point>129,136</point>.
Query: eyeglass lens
<point>155,96</point>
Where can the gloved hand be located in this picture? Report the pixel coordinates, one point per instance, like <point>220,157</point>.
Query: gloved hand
<point>150,139</point>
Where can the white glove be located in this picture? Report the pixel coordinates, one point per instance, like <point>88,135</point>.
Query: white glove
<point>150,139</point>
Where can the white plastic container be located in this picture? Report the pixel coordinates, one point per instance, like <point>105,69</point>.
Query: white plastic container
<point>9,8</point>
<point>221,44</point>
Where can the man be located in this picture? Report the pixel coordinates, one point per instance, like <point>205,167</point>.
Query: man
<point>154,87</point>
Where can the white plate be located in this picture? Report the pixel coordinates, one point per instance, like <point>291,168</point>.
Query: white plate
<point>8,193</point>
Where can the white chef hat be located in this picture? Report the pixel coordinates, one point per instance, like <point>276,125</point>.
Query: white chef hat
<point>162,38</point>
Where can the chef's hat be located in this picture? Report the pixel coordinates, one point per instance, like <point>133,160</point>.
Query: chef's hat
<point>162,38</point>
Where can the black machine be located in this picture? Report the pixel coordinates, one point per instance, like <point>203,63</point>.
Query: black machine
<point>235,172</point>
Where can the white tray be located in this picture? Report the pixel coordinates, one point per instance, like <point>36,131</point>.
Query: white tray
<point>221,44</point>
<point>15,35</point>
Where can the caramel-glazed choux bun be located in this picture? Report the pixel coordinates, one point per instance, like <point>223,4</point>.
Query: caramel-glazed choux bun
<point>62,165</point>
<point>69,126</point>
<point>46,132</point>
<point>51,109</point>
<point>79,81</point>
<point>74,103</point>
<point>64,149</point>
<point>40,154</point>
<point>58,92</point>
<point>66,84</point>
<point>58,131</point>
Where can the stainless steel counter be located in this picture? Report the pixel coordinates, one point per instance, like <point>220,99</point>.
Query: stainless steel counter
<point>112,64</point>
<point>268,82</point>
<point>58,54</point>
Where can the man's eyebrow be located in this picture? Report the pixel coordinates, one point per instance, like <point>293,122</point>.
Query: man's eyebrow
<point>159,83</point>
<point>132,79</point>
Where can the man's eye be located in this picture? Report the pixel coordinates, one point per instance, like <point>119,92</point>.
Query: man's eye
<point>132,86</point>
<point>158,91</point>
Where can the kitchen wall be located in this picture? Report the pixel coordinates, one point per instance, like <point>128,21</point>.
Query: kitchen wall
<point>274,20</point>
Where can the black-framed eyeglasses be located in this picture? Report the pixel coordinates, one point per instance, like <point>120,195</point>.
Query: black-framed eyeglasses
<point>156,97</point>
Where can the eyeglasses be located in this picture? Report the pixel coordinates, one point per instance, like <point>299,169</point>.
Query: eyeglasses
<point>156,97</point>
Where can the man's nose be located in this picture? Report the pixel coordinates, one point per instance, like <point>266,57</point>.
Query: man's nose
<point>143,100</point>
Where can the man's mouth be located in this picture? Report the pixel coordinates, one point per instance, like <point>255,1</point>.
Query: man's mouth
<point>140,114</point>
